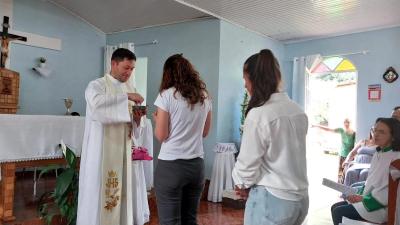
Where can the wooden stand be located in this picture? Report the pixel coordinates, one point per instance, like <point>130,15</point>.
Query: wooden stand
<point>8,184</point>
<point>7,192</point>
<point>9,91</point>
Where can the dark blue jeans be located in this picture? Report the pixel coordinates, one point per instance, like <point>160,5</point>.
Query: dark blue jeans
<point>345,209</point>
<point>178,185</point>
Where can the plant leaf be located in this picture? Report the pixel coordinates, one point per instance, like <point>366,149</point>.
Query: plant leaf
<point>49,218</point>
<point>64,180</point>
<point>70,157</point>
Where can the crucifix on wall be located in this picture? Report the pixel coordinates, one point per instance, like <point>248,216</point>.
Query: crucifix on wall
<point>5,41</point>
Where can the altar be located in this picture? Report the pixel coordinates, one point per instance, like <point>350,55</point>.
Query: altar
<point>32,141</point>
<point>28,141</point>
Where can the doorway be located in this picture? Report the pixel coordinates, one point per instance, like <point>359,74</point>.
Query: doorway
<point>330,97</point>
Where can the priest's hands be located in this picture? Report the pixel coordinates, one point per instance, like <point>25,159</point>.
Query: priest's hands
<point>135,97</point>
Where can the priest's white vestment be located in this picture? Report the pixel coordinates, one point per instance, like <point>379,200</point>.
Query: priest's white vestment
<point>104,109</point>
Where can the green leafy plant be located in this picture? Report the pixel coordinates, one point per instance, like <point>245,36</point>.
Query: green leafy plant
<point>63,200</point>
<point>243,108</point>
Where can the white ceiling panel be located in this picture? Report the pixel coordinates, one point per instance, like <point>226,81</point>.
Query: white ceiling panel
<point>120,15</point>
<point>291,20</point>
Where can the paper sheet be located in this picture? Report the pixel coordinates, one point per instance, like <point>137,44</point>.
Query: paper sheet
<point>346,190</point>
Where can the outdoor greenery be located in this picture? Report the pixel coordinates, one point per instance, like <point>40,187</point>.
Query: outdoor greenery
<point>338,77</point>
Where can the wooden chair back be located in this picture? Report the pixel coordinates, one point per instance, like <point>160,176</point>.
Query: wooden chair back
<point>392,197</point>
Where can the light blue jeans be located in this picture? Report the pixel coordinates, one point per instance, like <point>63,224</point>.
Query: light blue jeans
<point>262,208</point>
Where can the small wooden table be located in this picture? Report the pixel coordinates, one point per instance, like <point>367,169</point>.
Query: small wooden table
<point>7,184</point>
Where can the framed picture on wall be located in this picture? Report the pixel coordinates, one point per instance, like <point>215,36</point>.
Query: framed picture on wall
<point>374,92</point>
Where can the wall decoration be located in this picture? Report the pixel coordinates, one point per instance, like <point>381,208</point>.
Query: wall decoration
<point>9,91</point>
<point>390,75</point>
<point>374,92</point>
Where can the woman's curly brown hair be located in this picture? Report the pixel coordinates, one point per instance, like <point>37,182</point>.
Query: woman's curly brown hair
<point>180,74</point>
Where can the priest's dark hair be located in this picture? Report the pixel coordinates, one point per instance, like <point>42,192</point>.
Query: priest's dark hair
<point>179,73</point>
<point>121,54</point>
<point>265,77</point>
<point>394,126</point>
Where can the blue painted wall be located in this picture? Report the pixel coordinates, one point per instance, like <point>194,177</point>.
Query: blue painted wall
<point>384,51</point>
<point>199,42</point>
<point>79,61</point>
<point>236,45</point>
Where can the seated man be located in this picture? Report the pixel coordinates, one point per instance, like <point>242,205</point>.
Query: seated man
<point>396,112</point>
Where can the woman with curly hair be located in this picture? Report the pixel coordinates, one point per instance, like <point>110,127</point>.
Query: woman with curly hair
<point>182,120</point>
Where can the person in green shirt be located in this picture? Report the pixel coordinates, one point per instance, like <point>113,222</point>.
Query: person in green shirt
<point>348,136</point>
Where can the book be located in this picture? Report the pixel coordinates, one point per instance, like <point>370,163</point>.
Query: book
<point>231,200</point>
<point>346,190</point>
<point>359,166</point>
<point>230,194</point>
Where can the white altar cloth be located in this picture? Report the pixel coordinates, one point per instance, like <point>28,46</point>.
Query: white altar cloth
<point>34,137</point>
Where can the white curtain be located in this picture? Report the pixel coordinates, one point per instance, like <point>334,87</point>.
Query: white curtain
<point>301,68</point>
<point>108,51</point>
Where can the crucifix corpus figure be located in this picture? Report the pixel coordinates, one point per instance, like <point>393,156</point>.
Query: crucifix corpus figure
<point>5,41</point>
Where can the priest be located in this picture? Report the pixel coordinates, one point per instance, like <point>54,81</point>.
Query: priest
<point>105,178</point>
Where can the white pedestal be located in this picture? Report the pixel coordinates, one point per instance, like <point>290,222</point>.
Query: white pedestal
<point>221,177</point>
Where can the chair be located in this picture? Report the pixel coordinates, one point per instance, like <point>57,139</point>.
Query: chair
<point>36,178</point>
<point>394,179</point>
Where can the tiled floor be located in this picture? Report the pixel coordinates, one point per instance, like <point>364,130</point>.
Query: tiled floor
<point>321,198</point>
<point>26,208</point>
<point>320,165</point>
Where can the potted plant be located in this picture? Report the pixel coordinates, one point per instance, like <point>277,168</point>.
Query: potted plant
<point>63,200</point>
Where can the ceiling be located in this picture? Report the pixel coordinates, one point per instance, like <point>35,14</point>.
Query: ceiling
<point>283,20</point>
<point>291,20</point>
<point>112,16</point>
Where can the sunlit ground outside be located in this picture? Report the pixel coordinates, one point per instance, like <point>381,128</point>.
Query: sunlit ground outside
<point>321,165</point>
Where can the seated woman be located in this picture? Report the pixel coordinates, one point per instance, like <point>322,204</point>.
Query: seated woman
<point>362,153</point>
<point>371,202</point>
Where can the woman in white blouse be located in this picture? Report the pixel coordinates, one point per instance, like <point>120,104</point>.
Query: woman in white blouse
<point>272,160</point>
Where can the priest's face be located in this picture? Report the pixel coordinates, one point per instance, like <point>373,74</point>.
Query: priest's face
<point>122,70</point>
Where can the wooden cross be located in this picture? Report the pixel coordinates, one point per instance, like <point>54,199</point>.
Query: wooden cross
<point>5,40</point>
